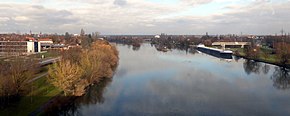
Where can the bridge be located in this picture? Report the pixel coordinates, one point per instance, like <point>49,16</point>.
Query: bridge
<point>231,44</point>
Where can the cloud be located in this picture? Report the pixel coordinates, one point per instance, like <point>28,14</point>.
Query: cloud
<point>35,17</point>
<point>196,2</point>
<point>146,17</point>
<point>120,2</point>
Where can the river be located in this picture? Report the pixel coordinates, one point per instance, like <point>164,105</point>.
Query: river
<point>178,82</point>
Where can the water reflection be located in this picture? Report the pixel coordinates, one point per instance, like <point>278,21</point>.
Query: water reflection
<point>148,82</point>
<point>251,66</point>
<point>136,48</point>
<point>266,69</point>
<point>281,78</point>
<point>68,106</point>
<point>236,58</point>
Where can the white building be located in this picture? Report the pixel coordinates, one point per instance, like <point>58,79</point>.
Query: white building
<point>157,36</point>
<point>19,47</point>
<point>33,47</point>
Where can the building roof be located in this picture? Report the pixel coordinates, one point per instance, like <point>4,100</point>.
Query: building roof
<point>30,38</point>
<point>44,39</point>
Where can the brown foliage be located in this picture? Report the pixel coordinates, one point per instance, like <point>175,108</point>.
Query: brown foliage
<point>252,51</point>
<point>283,52</point>
<point>73,55</point>
<point>14,76</point>
<point>82,67</point>
<point>66,76</point>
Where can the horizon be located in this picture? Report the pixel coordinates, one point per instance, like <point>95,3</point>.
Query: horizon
<point>147,17</point>
<point>277,34</point>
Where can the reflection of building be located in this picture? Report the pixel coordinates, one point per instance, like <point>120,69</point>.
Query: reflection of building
<point>22,47</point>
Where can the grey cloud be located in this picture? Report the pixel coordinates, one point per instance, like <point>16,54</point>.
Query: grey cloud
<point>141,17</point>
<point>196,2</point>
<point>37,7</point>
<point>257,20</point>
<point>120,2</point>
<point>35,17</point>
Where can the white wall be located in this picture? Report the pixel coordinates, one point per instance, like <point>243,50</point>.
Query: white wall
<point>30,46</point>
<point>39,47</point>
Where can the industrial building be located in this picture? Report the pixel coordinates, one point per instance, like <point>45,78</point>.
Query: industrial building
<point>20,47</point>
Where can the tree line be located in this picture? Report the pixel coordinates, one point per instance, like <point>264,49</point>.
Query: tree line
<point>81,67</point>
<point>281,51</point>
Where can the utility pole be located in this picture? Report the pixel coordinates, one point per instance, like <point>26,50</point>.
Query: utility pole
<point>282,31</point>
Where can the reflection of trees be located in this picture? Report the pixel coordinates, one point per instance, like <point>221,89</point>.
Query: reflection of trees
<point>281,78</point>
<point>192,51</point>
<point>62,105</point>
<point>237,58</point>
<point>251,66</point>
<point>265,69</point>
<point>136,48</point>
<point>69,105</point>
<point>95,94</point>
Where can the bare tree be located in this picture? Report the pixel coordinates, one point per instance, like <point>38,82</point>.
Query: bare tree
<point>17,73</point>
<point>14,78</point>
<point>283,52</point>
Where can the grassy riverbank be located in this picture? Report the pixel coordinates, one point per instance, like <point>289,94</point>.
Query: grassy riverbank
<point>263,55</point>
<point>42,91</point>
<point>38,92</point>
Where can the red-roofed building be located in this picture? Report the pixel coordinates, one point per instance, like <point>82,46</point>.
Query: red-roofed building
<point>30,38</point>
<point>45,41</point>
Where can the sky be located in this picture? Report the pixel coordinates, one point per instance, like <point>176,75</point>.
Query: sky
<point>146,17</point>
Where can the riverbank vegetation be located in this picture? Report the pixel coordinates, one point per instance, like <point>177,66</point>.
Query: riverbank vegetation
<point>14,79</point>
<point>80,68</point>
<point>21,93</point>
<point>279,55</point>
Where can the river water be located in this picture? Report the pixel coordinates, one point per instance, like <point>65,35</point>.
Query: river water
<point>178,82</point>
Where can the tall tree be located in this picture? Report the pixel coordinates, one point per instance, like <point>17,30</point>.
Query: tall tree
<point>67,36</point>
<point>283,52</point>
<point>82,32</point>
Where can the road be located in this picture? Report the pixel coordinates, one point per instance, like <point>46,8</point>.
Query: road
<point>49,61</point>
<point>40,76</point>
<point>42,63</point>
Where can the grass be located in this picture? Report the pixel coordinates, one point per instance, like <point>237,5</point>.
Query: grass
<point>271,58</point>
<point>42,91</point>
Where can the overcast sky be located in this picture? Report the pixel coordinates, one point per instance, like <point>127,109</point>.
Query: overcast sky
<point>145,16</point>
